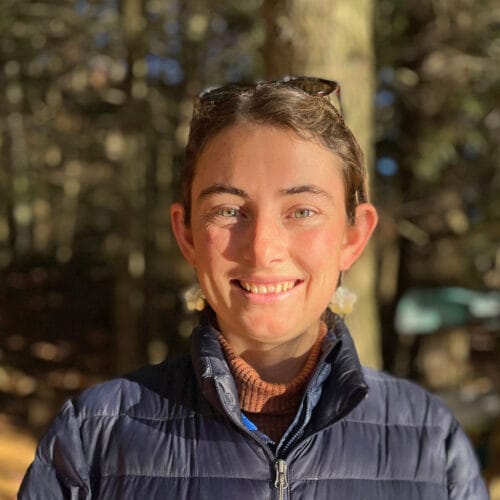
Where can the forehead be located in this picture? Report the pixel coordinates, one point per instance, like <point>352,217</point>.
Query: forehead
<point>262,155</point>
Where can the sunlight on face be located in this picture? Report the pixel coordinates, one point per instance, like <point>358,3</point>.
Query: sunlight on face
<point>269,233</point>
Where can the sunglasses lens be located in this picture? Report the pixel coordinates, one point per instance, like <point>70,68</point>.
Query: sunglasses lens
<point>312,86</point>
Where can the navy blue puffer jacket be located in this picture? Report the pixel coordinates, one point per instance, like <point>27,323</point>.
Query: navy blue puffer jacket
<point>175,431</point>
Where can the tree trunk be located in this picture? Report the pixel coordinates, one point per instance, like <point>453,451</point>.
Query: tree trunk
<point>334,39</point>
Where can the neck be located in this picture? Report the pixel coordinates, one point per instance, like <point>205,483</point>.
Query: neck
<point>277,364</point>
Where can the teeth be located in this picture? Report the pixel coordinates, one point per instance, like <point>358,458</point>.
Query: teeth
<point>263,289</point>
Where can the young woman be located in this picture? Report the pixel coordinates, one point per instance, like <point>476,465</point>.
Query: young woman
<point>272,402</point>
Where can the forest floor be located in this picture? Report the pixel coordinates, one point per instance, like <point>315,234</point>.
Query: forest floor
<point>17,449</point>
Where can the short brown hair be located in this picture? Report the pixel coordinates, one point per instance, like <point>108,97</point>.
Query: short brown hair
<point>281,106</point>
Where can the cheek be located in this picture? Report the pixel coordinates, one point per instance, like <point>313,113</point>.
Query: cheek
<point>320,245</point>
<point>319,254</point>
<point>212,243</point>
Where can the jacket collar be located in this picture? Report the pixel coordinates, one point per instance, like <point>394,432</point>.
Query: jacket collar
<point>344,387</point>
<point>212,371</point>
<point>336,393</point>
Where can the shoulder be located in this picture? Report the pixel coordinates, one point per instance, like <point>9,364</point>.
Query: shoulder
<point>395,401</point>
<point>419,431</point>
<point>111,420</point>
<point>152,391</point>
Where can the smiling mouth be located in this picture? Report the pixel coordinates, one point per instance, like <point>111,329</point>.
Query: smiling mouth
<point>259,288</point>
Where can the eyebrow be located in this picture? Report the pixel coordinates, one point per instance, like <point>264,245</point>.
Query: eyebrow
<point>228,189</point>
<point>306,188</point>
<point>223,189</point>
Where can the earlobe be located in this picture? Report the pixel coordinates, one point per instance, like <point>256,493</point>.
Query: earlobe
<point>182,232</point>
<point>358,234</point>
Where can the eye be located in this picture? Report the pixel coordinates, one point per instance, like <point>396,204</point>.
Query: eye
<point>228,212</point>
<point>223,215</point>
<point>303,213</point>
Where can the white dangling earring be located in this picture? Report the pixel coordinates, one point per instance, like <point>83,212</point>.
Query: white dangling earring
<point>343,300</point>
<point>193,298</point>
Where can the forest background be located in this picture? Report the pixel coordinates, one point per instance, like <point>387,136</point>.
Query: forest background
<point>94,111</point>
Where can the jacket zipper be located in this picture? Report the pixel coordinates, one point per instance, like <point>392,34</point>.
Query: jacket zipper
<point>281,481</point>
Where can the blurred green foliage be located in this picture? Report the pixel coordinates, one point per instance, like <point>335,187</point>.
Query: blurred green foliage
<point>94,110</point>
<point>438,140</point>
<point>94,116</point>
<point>437,182</point>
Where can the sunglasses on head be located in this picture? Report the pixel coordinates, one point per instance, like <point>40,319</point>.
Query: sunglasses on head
<point>316,87</point>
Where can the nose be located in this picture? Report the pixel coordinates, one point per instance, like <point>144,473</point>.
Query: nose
<point>265,242</point>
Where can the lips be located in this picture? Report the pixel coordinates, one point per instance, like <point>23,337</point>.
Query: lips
<point>267,288</point>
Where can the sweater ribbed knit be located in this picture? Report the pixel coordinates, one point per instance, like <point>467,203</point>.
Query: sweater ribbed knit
<point>271,406</point>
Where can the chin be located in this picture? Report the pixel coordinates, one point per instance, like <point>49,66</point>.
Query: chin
<point>269,331</point>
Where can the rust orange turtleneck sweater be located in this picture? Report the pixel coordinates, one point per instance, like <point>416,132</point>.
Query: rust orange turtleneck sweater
<point>271,407</point>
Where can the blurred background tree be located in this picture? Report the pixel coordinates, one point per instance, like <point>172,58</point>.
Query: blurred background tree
<point>94,110</point>
<point>335,40</point>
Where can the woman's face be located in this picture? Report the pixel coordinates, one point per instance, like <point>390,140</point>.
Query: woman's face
<point>269,233</point>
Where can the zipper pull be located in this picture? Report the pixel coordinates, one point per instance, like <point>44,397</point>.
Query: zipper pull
<point>281,481</point>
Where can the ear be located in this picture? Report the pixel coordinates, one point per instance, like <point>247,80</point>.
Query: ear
<point>358,234</point>
<point>182,232</point>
